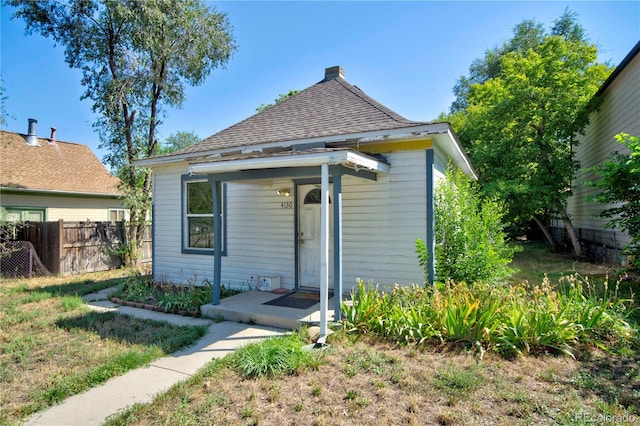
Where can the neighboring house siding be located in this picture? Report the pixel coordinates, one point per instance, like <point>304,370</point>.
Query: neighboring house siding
<point>619,112</point>
<point>381,221</point>
<point>70,209</point>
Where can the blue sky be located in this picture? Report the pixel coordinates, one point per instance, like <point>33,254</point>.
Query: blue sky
<point>406,55</point>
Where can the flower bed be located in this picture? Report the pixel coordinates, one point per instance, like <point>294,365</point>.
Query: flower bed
<point>143,292</point>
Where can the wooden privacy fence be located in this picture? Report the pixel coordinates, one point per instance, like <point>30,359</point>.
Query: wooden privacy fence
<point>77,247</point>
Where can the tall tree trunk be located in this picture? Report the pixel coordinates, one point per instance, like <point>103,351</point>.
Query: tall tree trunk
<point>545,230</point>
<point>575,241</point>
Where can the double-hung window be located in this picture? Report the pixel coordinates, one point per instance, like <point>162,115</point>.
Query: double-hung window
<point>116,215</point>
<point>198,227</point>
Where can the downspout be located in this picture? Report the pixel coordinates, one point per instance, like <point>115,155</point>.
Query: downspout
<point>431,220</point>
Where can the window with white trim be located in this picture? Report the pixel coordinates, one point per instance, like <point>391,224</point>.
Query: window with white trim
<point>116,215</point>
<point>198,231</point>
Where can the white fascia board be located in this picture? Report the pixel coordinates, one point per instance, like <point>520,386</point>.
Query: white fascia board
<point>367,162</point>
<point>462,155</point>
<point>421,130</point>
<point>449,144</point>
<point>304,160</point>
<point>157,161</point>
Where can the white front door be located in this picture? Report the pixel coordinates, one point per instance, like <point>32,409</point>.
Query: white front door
<point>309,236</point>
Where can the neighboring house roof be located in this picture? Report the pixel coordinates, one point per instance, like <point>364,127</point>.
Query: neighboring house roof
<point>54,166</point>
<point>330,107</point>
<point>627,59</point>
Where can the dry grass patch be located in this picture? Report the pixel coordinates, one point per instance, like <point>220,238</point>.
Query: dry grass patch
<point>370,382</point>
<point>362,380</point>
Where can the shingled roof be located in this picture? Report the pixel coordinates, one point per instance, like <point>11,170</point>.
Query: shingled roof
<point>329,108</point>
<point>52,166</point>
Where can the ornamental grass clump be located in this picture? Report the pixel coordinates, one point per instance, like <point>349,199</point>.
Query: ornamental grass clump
<point>276,356</point>
<point>468,314</point>
<point>509,320</point>
<point>536,319</point>
<point>598,309</point>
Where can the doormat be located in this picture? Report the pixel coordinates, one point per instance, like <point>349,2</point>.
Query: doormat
<point>296,300</point>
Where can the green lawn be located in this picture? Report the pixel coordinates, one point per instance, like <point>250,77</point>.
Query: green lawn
<point>535,261</point>
<point>52,346</point>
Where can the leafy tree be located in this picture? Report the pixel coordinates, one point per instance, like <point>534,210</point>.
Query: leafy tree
<point>526,35</point>
<point>136,58</point>
<point>281,97</point>
<point>519,123</point>
<point>619,185</point>
<point>470,239</point>
<point>177,141</point>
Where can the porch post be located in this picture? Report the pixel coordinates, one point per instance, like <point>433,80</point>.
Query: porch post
<point>324,252</point>
<point>217,242</point>
<point>337,245</point>
<point>431,220</point>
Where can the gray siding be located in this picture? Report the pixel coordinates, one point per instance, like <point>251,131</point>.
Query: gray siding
<point>381,221</point>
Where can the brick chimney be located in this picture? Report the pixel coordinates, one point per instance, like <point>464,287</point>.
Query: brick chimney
<point>333,72</point>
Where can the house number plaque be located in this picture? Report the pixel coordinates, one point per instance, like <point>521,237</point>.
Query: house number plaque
<point>286,205</point>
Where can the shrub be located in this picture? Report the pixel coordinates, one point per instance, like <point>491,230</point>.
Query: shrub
<point>470,239</point>
<point>138,288</point>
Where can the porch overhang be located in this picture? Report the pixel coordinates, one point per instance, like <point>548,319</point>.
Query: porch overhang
<point>324,163</point>
<point>292,159</point>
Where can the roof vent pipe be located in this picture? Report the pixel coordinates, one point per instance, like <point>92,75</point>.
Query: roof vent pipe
<point>32,137</point>
<point>52,139</point>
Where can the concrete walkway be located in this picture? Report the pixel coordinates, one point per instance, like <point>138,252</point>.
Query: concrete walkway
<point>141,385</point>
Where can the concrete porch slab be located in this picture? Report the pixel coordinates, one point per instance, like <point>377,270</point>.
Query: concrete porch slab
<point>248,307</point>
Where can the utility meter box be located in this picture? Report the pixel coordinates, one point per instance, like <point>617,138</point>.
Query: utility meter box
<point>268,283</point>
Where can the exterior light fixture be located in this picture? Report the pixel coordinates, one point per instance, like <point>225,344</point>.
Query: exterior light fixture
<point>285,192</point>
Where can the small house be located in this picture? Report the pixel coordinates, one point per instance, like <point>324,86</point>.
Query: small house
<point>44,179</point>
<point>320,189</point>
<point>69,200</point>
